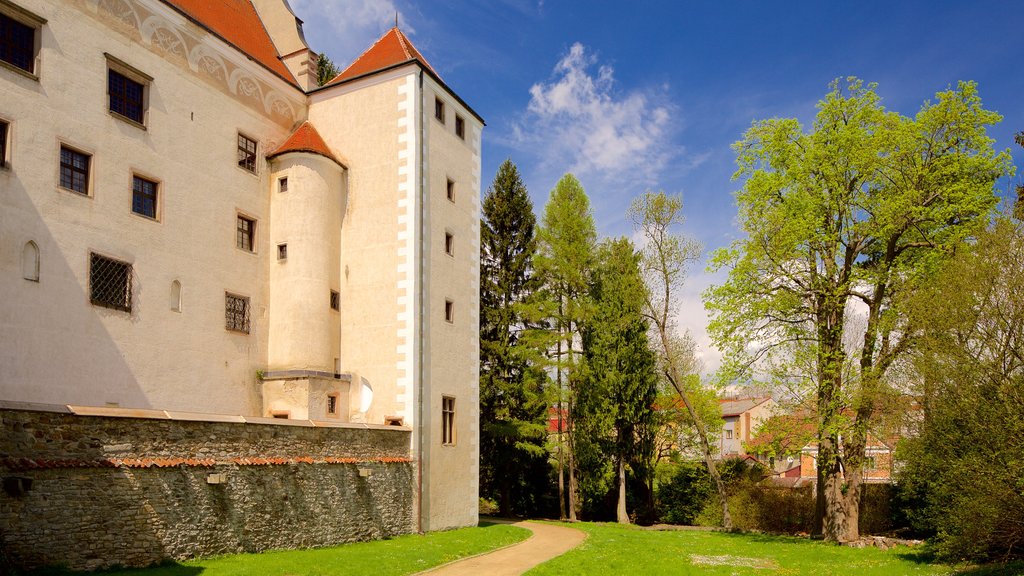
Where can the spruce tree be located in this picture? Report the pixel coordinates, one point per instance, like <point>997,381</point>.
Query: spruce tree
<point>512,405</point>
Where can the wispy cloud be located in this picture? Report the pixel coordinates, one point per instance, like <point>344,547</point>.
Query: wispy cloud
<point>353,25</point>
<point>579,121</point>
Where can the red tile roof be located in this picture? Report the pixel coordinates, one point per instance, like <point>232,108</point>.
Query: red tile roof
<point>391,49</point>
<point>237,23</point>
<point>305,139</point>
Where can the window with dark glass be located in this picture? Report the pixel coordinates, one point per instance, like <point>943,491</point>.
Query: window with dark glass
<point>451,190</point>
<point>449,244</point>
<point>245,234</point>
<point>449,311</point>
<point>3,144</point>
<point>282,184</point>
<point>282,251</point>
<point>74,170</point>
<point>236,313</point>
<point>17,44</point>
<point>335,300</point>
<point>110,283</point>
<point>144,197</point>
<point>439,109</point>
<point>126,96</point>
<point>247,155</point>
<point>460,127</point>
<point>447,420</point>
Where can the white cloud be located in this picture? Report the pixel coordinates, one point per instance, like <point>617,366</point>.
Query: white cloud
<point>693,318</point>
<point>345,28</point>
<point>579,121</point>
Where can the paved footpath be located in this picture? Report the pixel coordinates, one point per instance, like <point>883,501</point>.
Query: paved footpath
<point>546,543</point>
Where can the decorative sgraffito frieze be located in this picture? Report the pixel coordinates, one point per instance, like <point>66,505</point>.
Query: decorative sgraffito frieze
<point>157,27</point>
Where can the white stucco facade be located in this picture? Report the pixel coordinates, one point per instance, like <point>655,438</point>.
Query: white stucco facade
<point>372,222</point>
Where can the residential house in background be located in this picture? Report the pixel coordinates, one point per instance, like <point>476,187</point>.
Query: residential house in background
<point>741,417</point>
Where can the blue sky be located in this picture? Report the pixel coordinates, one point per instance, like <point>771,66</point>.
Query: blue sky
<point>632,96</point>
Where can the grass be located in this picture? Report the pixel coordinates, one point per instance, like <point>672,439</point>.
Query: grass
<point>401,555</point>
<point>615,549</point>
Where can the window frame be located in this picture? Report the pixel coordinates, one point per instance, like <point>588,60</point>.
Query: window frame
<point>19,15</point>
<point>5,143</point>
<point>239,320</point>
<point>137,176</point>
<point>240,233</point>
<point>251,156</point>
<point>439,110</point>
<point>87,189</point>
<point>448,436</point>
<point>131,74</point>
<point>333,399</point>
<point>128,288</point>
<point>460,127</point>
<point>282,184</point>
<point>282,251</point>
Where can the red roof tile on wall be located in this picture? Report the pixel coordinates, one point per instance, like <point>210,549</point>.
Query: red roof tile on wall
<point>392,48</point>
<point>305,139</point>
<point>237,22</point>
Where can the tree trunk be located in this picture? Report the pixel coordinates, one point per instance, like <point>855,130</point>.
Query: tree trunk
<point>620,512</point>
<point>561,467</point>
<point>572,479</point>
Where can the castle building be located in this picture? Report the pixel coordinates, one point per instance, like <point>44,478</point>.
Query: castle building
<point>190,225</point>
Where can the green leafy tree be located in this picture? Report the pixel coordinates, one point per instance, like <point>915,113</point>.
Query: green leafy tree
<point>512,401</point>
<point>564,264</point>
<point>616,397</point>
<point>325,70</point>
<point>839,222</point>
<point>666,256</point>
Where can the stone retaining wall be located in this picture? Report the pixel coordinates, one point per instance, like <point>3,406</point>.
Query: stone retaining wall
<point>95,491</point>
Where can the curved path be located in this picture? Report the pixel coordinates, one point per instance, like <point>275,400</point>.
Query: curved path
<point>547,542</point>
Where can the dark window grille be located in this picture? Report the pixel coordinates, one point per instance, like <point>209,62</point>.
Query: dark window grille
<point>144,197</point>
<point>236,313</point>
<point>335,300</point>
<point>17,44</point>
<point>110,283</point>
<point>447,420</point>
<point>439,109</point>
<point>247,155</point>
<point>460,127</point>
<point>3,144</point>
<point>332,404</point>
<point>74,170</point>
<point>245,234</point>
<point>125,96</point>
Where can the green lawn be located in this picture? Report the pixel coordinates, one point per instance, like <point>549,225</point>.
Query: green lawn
<point>615,549</point>
<point>402,555</point>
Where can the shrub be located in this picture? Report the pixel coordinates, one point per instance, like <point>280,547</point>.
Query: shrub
<point>683,496</point>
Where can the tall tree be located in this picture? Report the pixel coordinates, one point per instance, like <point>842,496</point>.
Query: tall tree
<point>512,403</point>
<point>325,70</point>
<point>564,264</point>
<point>839,221</point>
<point>666,257</point>
<point>620,385</point>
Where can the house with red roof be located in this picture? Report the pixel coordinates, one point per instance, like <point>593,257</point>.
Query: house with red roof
<point>191,226</point>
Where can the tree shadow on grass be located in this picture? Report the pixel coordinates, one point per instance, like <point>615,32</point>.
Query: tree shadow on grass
<point>927,556</point>
<point>163,569</point>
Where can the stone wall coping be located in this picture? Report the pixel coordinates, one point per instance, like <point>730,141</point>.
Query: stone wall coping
<point>301,374</point>
<point>143,413</point>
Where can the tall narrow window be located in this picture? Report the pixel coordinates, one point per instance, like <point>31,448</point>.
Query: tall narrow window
<point>175,299</point>
<point>447,420</point>
<point>282,251</point>
<point>460,127</point>
<point>451,190</point>
<point>3,143</point>
<point>126,96</point>
<point>18,43</point>
<point>332,404</point>
<point>236,313</point>
<point>335,300</point>
<point>144,197</point>
<point>247,155</point>
<point>110,283</point>
<point>449,311</point>
<point>74,170</point>
<point>439,109</point>
<point>449,244</point>
<point>282,184</point>
<point>245,234</point>
<point>30,261</point>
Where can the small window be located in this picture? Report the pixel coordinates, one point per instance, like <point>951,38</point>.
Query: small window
<point>144,197</point>
<point>447,421</point>
<point>460,127</point>
<point>74,170</point>
<point>247,154</point>
<point>175,299</point>
<point>30,262</point>
<point>18,42</point>
<point>728,434</point>
<point>245,234</point>
<point>4,129</point>
<point>236,313</point>
<point>126,91</point>
<point>335,300</point>
<point>870,463</point>
<point>439,109</point>
<point>282,251</point>
<point>282,184</point>
<point>449,311</point>
<point>332,404</point>
<point>451,190</point>
<point>110,283</point>
<point>280,414</point>
<point>449,244</point>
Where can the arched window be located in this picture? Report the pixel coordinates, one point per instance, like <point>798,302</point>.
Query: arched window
<point>30,262</point>
<point>176,296</point>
